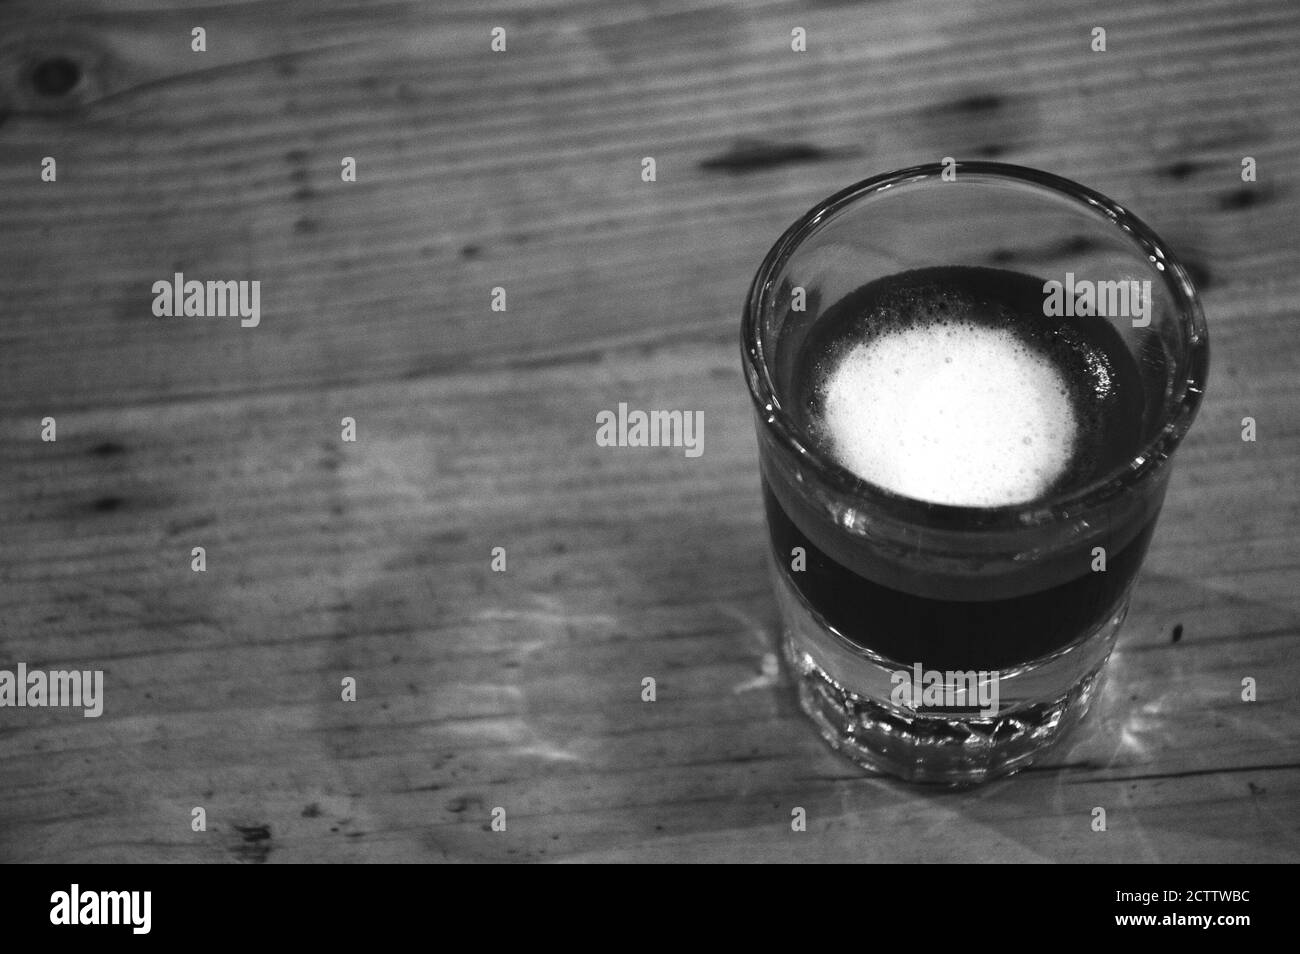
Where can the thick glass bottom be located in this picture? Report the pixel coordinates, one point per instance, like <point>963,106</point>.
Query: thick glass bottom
<point>852,695</point>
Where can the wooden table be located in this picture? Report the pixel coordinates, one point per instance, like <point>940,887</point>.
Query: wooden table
<point>328,559</point>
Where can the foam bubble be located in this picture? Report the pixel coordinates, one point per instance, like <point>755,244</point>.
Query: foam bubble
<point>952,412</point>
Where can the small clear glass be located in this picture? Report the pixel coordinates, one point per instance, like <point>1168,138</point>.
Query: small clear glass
<point>956,595</point>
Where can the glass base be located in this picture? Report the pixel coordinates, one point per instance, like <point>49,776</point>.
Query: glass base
<point>851,696</point>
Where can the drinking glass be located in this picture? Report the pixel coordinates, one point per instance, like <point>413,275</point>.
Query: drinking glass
<point>1014,605</point>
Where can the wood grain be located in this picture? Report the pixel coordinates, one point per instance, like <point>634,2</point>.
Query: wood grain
<point>476,428</point>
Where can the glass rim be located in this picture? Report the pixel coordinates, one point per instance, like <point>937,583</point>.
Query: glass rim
<point>1190,371</point>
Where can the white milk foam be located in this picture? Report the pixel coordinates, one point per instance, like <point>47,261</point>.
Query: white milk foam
<point>954,413</point>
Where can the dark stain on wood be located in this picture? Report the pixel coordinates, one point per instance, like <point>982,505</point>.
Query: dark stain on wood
<point>973,105</point>
<point>1199,272</point>
<point>196,523</point>
<point>107,449</point>
<point>55,76</point>
<point>1180,170</point>
<point>748,156</point>
<point>57,72</point>
<point>1244,198</point>
<point>254,845</point>
<point>464,802</point>
<point>1178,633</point>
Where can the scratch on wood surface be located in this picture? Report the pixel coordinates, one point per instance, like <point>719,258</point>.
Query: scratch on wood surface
<point>770,676</point>
<point>544,617</point>
<point>518,737</point>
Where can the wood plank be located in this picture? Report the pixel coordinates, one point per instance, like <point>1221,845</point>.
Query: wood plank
<point>476,429</point>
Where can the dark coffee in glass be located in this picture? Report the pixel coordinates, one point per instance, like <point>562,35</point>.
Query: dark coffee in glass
<point>963,460</point>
